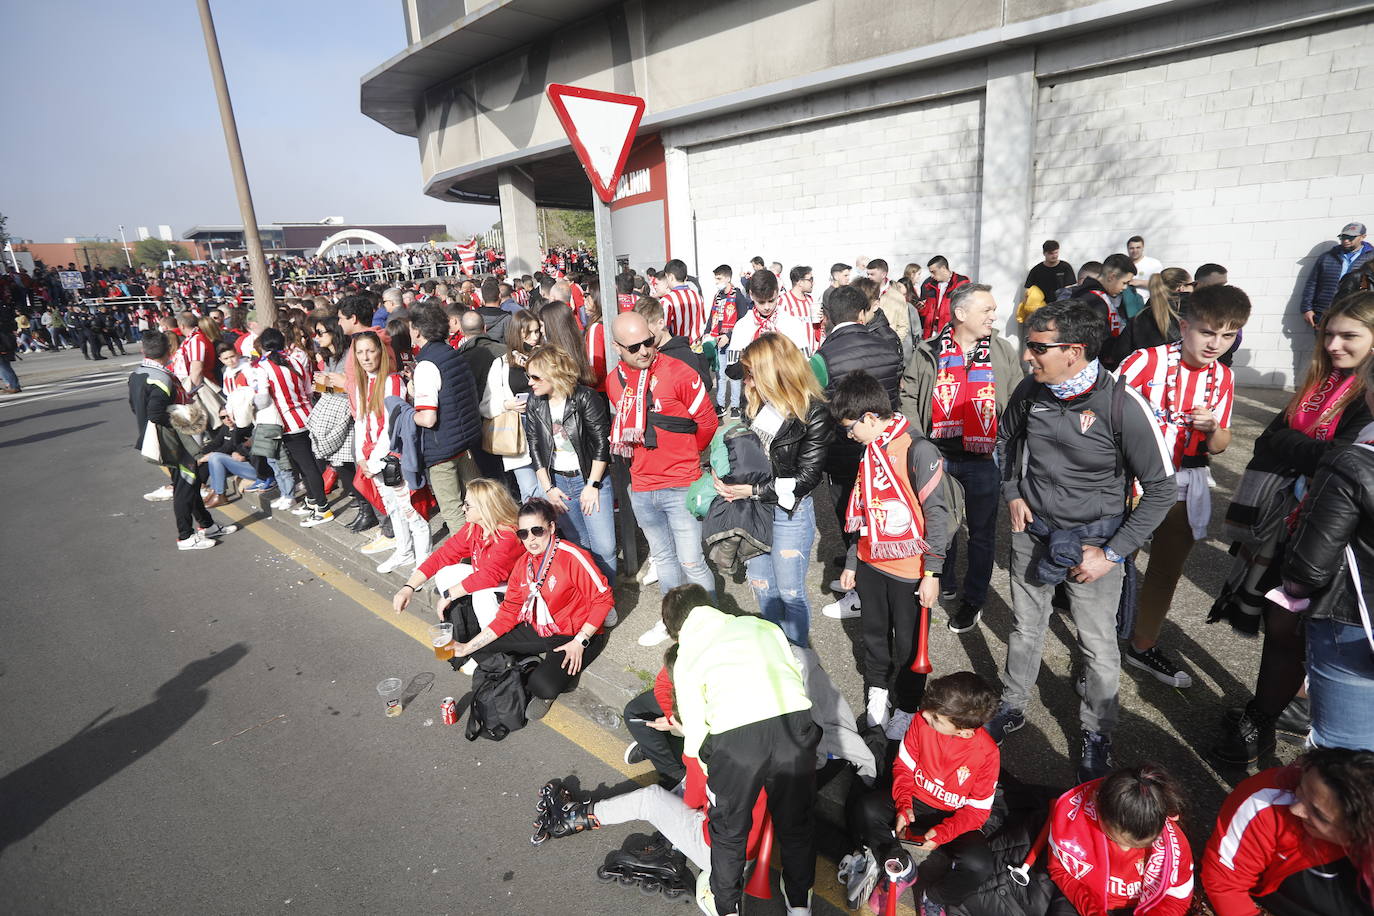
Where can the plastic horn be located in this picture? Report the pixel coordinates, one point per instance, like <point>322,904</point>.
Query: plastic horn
<point>921,664</point>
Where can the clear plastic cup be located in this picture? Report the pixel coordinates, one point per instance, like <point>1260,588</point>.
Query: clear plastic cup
<point>390,691</point>
<point>441,634</point>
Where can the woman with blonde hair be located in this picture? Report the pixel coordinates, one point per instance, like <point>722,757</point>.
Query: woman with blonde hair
<point>475,562</point>
<point>1325,415</point>
<point>785,408</point>
<point>1157,325</point>
<point>568,427</point>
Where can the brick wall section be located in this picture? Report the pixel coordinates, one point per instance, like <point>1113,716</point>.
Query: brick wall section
<point>900,184</point>
<point>1253,157</point>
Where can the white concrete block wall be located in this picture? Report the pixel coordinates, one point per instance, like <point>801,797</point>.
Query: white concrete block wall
<point>900,184</point>
<point>1253,157</point>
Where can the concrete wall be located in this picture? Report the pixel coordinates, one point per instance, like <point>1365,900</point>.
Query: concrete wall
<point>896,184</point>
<point>1252,156</point>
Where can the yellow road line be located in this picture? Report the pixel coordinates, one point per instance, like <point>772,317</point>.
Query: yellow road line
<point>573,726</point>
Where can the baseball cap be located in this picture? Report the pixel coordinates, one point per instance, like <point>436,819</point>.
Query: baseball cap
<point>1353,229</point>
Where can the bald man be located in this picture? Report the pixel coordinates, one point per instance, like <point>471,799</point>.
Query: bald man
<point>662,420</point>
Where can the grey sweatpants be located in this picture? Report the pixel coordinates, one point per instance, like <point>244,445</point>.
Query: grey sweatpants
<point>668,814</point>
<point>1093,606</point>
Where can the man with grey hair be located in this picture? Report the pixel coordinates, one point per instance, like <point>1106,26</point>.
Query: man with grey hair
<point>954,388</point>
<point>391,301</point>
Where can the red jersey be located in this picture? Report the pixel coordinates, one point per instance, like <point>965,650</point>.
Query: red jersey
<point>574,592</point>
<point>596,353</point>
<point>684,313</point>
<point>1258,843</point>
<point>1173,388</point>
<point>290,390</point>
<point>803,308</point>
<point>625,301</point>
<point>492,558</point>
<point>947,772</point>
<point>195,349</point>
<point>675,390</point>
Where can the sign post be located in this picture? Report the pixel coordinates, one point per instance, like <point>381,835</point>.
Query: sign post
<point>601,127</point>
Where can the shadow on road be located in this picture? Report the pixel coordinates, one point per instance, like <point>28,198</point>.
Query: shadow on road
<point>47,784</point>
<point>57,410</point>
<point>50,434</point>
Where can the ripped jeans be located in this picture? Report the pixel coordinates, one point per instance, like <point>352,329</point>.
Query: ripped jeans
<point>779,578</point>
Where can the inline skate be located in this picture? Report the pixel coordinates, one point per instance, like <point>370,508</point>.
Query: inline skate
<point>560,813</point>
<point>651,864</point>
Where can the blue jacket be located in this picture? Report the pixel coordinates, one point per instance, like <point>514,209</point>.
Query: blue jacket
<point>1321,284</point>
<point>459,426</point>
<point>405,440</point>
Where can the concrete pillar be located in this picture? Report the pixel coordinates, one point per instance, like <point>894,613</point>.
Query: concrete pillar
<point>1008,172</point>
<point>682,236</point>
<point>519,221</point>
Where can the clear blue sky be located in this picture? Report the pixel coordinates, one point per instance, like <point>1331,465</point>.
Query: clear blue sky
<point>110,118</point>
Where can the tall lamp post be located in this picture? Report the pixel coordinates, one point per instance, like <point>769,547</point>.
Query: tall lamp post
<point>257,266</point>
<point>124,243</point>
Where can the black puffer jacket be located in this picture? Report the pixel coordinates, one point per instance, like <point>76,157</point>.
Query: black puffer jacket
<point>586,420</point>
<point>798,453</point>
<point>1338,510</point>
<point>856,347</point>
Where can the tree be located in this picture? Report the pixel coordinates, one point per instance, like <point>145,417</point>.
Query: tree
<point>441,237</point>
<point>151,252</point>
<point>569,227</point>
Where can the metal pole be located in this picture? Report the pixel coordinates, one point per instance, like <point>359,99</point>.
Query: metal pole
<point>124,243</point>
<point>265,305</point>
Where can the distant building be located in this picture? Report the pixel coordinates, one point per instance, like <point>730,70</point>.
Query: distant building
<point>289,239</point>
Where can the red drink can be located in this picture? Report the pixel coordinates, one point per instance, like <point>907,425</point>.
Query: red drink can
<point>449,710</point>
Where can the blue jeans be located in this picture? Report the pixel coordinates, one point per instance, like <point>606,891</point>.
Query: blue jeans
<point>778,578</point>
<point>221,466</point>
<point>674,537</point>
<point>286,478</point>
<point>727,389</point>
<point>7,374</point>
<point>981,481</point>
<point>594,532</point>
<point>1340,682</point>
<point>527,481</point>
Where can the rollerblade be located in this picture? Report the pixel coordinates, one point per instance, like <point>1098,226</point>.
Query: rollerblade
<point>652,865</point>
<point>559,813</point>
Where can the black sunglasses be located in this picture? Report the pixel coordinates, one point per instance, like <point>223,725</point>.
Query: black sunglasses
<point>534,378</point>
<point>538,531</point>
<point>1040,349</point>
<point>635,347</point>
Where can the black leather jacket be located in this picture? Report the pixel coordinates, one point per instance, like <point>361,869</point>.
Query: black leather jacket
<point>586,420</point>
<point>798,452</point>
<point>1338,510</point>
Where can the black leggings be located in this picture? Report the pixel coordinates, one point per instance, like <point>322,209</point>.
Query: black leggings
<point>187,506</point>
<point>951,873</point>
<point>303,459</point>
<point>1281,667</point>
<point>549,678</point>
<point>891,615</point>
<point>1328,890</point>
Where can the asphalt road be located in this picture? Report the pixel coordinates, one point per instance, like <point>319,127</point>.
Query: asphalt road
<point>200,732</point>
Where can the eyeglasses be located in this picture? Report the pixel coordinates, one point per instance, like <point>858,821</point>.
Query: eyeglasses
<point>635,347</point>
<point>849,427</point>
<point>538,531</point>
<point>1040,349</point>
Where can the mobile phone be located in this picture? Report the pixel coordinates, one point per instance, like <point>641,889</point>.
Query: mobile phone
<point>523,397</point>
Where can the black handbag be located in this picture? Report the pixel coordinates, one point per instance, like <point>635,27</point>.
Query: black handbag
<point>391,470</point>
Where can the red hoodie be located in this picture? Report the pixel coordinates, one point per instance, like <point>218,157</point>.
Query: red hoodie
<point>949,773</point>
<point>492,558</point>
<point>574,591</point>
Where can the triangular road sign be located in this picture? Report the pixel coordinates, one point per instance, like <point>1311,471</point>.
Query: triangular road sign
<point>601,126</point>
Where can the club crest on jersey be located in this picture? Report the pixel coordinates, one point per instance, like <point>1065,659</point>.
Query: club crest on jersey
<point>1073,857</point>
<point>961,774</point>
<point>1085,421</point>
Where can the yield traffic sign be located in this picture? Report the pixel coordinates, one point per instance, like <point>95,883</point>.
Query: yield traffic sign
<point>601,126</point>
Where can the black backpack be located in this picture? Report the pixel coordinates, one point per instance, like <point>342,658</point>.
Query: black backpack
<point>499,697</point>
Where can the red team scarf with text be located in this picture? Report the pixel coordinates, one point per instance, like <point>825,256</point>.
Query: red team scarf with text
<point>1114,320</point>
<point>535,611</point>
<point>631,411</point>
<point>1320,411</point>
<point>881,507</point>
<point>965,396</point>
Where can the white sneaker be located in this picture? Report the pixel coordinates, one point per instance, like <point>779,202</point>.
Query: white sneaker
<point>650,572</point>
<point>317,518</point>
<point>654,635</point>
<point>898,724</point>
<point>303,509</point>
<point>877,707</point>
<point>846,608</point>
<point>218,531</point>
<point>395,562</point>
<point>379,544</point>
<point>282,503</point>
<point>159,495</point>
<point>195,542</point>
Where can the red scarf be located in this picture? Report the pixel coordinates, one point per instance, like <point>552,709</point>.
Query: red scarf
<point>1115,324</point>
<point>764,325</point>
<point>965,397</point>
<point>1320,411</point>
<point>880,507</point>
<point>1077,840</point>
<point>631,411</point>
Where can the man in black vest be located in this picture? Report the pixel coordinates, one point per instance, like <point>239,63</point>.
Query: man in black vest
<point>446,411</point>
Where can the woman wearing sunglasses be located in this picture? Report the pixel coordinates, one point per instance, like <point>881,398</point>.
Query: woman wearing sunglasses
<point>555,605</point>
<point>508,389</point>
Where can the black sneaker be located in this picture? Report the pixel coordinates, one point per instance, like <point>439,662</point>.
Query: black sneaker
<point>1004,722</point>
<point>634,754</point>
<point>1096,761</point>
<point>965,619</point>
<point>1154,662</point>
<point>1245,738</point>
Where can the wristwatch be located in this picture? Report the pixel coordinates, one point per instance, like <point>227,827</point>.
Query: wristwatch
<point>1112,555</point>
<point>595,484</point>
<point>585,641</point>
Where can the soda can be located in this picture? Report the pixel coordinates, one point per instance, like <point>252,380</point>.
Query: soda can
<point>449,710</point>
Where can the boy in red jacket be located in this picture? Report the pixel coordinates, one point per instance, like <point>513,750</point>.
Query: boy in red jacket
<point>944,782</point>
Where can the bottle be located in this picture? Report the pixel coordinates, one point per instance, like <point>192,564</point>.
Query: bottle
<point>449,710</point>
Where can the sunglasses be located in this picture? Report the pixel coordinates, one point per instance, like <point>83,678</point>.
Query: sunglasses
<point>534,378</point>
<point>1347,238</point>
<point>524,534</point>
<point>635,347</point>
<point>1040,349</point>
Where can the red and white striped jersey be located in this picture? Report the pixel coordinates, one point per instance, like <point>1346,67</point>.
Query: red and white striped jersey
<point>803,308</point>
<point>1173,388</point>
<point>684,313</point>
<point>195,349</point>
<point>371,427</point>
<point>237,377</point>
<point>290,389</point>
